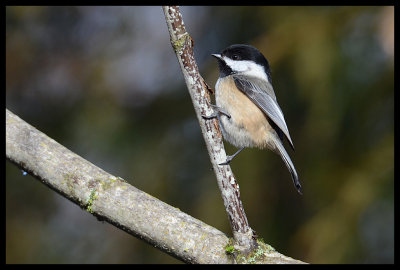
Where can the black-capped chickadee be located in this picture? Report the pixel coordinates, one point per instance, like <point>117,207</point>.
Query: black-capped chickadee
<point>246,105</point>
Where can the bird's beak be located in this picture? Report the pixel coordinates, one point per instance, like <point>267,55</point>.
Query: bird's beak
<point>216,55</point>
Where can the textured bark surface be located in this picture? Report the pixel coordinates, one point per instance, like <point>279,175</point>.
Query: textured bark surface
<point>182,43</point>
<point>111,198</point>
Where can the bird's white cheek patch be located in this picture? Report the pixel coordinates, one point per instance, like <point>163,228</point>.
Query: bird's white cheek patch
<point>248,68</point>
<point>238,66</point>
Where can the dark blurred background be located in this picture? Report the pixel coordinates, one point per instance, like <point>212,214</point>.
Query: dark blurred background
<point>105,83</point>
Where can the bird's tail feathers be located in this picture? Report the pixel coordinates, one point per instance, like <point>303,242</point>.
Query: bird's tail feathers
<point>289,165</point>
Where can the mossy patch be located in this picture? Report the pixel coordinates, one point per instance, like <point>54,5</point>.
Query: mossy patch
<point>253,257</point>
<point>90,201</point>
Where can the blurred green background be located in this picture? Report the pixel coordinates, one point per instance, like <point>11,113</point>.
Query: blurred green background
<point>105,83</point>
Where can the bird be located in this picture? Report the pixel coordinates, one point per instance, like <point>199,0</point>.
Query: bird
<point>246,106</point>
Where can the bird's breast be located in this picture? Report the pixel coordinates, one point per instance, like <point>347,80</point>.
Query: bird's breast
<point>248,125</point>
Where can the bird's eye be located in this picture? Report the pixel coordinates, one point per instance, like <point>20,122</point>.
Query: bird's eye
<point>235,57</point>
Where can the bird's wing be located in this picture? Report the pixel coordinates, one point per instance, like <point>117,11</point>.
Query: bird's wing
<point>262,94</point>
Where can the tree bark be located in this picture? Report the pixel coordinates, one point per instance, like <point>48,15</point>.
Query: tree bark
<point>111,198</point>
<point>182,44</point>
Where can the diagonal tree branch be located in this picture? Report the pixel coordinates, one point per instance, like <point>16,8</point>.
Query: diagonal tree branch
<point>112,199</point>
<point>182,44</point>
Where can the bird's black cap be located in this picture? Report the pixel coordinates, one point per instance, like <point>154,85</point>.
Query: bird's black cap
<point>243,52</point>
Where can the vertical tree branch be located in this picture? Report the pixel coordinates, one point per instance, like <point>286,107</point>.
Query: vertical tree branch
<point>182,44</point>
